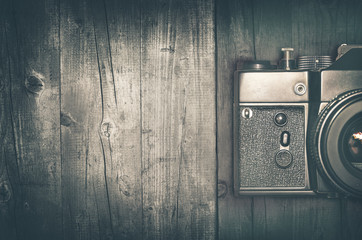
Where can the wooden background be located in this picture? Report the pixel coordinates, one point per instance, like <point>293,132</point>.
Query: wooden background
<point>116,117</point>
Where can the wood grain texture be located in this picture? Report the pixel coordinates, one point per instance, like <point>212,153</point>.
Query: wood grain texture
<point>7,148</point>
<point>85,205</point>
<point>296,218</point>
<point>32,159</point>
<point>235,44</point>
<point>353,26</point>
<point>101,113</point>
<point>178,120</point>
<point>319,27</point>
<point>117,31</point>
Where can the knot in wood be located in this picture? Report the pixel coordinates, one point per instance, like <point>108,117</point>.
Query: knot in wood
<point>66,119</point>
<point>34,84</point>
<point>170,49</point>
<point>106,128</point>
<point>5,193</point>
<point>222,189</point>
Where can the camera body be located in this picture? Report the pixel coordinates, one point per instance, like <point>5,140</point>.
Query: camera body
<point>294,130</point>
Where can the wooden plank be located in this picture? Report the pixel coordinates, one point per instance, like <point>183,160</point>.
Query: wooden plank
<point>272,28</point>
<point>319,27</point>
<point>296,218</point>
<point>101,107</point>
<point>353,26</point>
<point>235,43</point>
<point>118,31</point>
<point>7,148</point>
<point>178,120</point>
<point>351,218</point>
<point>32,36</point>
<point>85,206</point>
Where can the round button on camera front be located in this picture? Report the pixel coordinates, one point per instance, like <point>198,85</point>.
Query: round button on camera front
<point>283,158</point>
<point>280,119</point>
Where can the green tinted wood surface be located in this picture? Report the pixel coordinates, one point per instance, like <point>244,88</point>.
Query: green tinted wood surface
<point>31,146</point>
<point>178,119</point>
<point>86,212</point>
<point>101,119</point>
<point>234,45</point>
<point>8,171</point>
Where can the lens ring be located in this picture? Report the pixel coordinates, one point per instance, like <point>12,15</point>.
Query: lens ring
<point>351,142</point>
<point>325,139</point>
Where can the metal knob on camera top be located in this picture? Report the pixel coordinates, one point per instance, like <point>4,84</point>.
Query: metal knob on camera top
<point>287,62</point>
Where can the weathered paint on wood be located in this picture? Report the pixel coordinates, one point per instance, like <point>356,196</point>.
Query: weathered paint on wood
<point>31,146</point>
<point>178,120</point>
<point>257,30</point>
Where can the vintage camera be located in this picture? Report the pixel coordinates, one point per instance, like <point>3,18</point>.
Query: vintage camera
<point>299,132</point>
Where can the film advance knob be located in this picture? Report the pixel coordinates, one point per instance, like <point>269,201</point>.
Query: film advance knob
<point>283,158</point>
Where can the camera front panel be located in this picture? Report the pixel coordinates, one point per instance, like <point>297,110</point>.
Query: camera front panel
<point>271,153</point>
<point>270,125</point>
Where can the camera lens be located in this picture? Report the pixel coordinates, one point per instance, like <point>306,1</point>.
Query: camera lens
<point>280,119</point>
<point>336,143</point>
<point>351,141</point>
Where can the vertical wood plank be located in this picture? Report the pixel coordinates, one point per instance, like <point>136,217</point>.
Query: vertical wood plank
<point>178,120</point>
<point>353,26</point>
<point>101,107</point>
<point>7,148</point>
<point>351,218</point>
<point>235,43</point>
<point>32,41</point>
<point>118,31</point>
<point>319,27</point>
<point>85,206</point>
<point>296,218</point>
<point>272,28</point>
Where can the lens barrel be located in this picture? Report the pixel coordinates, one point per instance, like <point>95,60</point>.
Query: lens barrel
<point>336,155</point>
